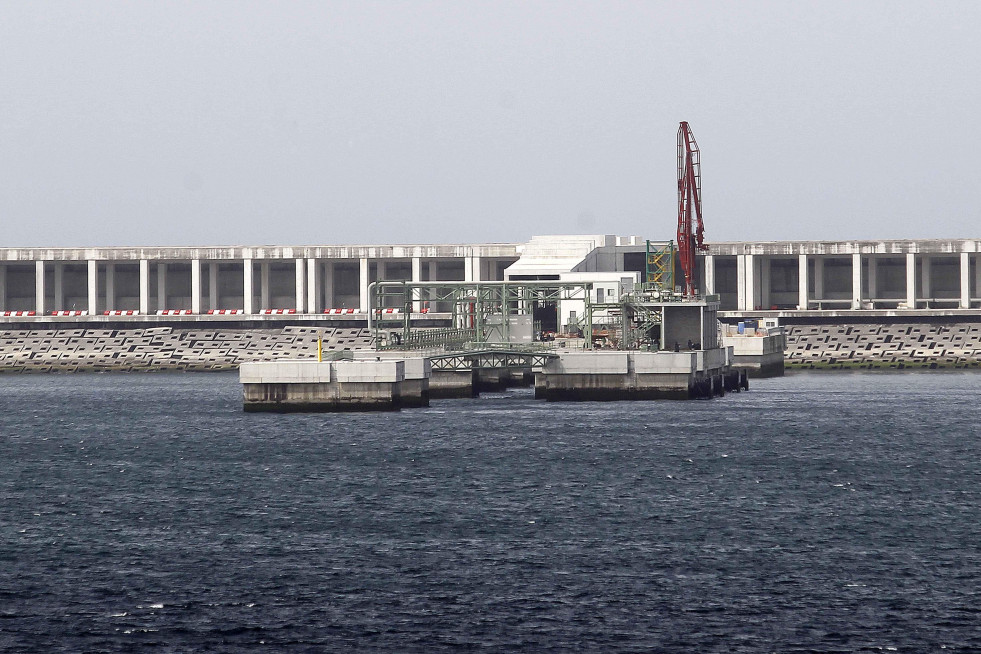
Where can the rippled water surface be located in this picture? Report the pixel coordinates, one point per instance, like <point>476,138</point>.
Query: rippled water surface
<point>824,513</point>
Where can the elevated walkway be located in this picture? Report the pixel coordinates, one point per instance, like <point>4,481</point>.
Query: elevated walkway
<point>487,359</point>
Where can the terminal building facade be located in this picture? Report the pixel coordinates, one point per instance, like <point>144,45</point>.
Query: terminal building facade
<point>845,276</point>
<point>216,280</point>
<point>791,278</point>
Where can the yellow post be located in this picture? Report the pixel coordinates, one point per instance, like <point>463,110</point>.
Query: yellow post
<point>320,349</point>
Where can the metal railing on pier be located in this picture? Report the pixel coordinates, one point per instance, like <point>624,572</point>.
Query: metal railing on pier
<point>427,339</point>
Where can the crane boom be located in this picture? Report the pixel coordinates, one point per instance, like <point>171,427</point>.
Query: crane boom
<point>690,229</point>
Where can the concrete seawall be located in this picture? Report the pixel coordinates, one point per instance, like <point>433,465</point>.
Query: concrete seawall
<point>901,345</point>
<point>810,346</point>
<point>166,348</point>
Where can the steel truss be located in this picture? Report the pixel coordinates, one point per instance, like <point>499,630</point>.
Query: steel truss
<point>476,309</point>
<point>490,359</point>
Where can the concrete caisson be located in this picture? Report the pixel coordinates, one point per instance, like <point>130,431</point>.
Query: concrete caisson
<point>606,376</point>
<point>453,384</point>
<point>418,370</point>
<point>292,386</point>
<point>759,355</point>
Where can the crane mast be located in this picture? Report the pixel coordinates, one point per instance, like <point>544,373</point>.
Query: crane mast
<point>690,227</point>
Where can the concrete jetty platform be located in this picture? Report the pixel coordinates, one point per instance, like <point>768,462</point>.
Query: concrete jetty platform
<point>606,376</point>
<point>759,352</point>
<point>389,381</point>
<point>418,370</point>
<point>444,384</point>
<point>292,386</point>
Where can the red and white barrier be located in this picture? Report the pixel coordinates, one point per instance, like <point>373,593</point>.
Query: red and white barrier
<point>226,312</point>
<point>69,313</point>
<point>120,313</point>
<point>424,310</point>
<point>345,312</point>
<point>174,312</point>
<point>278,312</point>
<point>18,313</point>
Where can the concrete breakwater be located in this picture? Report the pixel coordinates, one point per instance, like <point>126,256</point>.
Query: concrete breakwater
<point>897,346</point>
<point>166,348</point>
<point>809,346</point>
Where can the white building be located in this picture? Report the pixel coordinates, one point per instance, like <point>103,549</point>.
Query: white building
<point>790,277</point>
<point>836,276</point>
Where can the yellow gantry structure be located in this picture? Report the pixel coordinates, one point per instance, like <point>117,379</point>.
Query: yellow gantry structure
<point>660,266</point>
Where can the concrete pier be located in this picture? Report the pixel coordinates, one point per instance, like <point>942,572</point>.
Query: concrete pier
<point>291,386</point>
<point>492,380</point>
<point>418,370</point>
<point>453,383</point>
<point>760,354</point>
<point>604,376</point>
<point>379,381</point>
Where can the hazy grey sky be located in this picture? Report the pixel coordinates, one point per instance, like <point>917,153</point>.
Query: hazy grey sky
<point>198,123</point>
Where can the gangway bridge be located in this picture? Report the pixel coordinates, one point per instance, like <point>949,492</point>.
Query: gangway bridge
<point>477,358</point>
<point>491,359</point>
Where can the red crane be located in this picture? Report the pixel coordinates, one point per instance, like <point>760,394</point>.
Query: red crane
<point>689,206</point>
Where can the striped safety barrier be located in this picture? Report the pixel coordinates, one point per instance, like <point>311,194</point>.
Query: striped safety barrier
<point>337,312</point>
<point>226,312</point>
<point>277,312</point>
<point>174,312</point>
<point>120,313</point>
<point>69,313</point>
<point>388,311</point>
<point>18,313</point>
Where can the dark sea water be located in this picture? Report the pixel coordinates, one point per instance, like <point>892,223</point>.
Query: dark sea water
<point>816,513</point>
